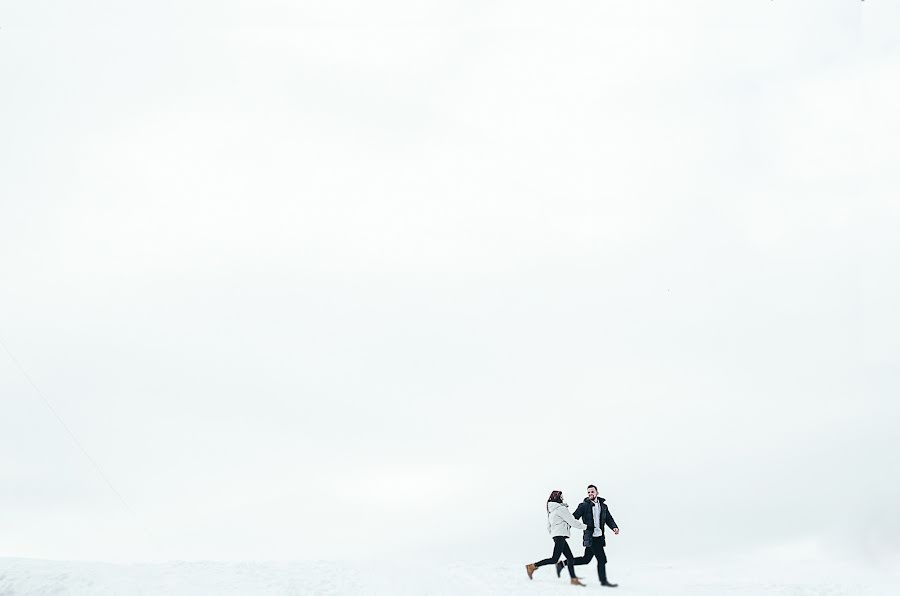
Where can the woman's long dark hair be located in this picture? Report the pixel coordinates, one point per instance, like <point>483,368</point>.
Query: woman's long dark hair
<point>555,497</point>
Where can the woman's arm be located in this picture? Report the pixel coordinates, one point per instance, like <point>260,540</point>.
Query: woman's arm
<point>567,516</point>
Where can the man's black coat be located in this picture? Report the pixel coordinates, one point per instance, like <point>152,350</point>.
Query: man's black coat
<point>585,512</point>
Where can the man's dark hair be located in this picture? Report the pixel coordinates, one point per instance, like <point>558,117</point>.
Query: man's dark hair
<point>592,486</point>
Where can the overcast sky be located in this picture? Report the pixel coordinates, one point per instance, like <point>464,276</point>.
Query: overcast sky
<point>346,279</point>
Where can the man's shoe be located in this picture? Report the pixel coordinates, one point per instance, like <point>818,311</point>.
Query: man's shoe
<point>529,569</point>
<point>559,568</point>
<point>576,582</point>
<point>608,584</point>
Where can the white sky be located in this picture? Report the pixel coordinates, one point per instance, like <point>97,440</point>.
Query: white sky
<point>345,279</point>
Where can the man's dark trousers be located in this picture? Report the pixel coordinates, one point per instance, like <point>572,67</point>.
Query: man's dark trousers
<point>595,550</point>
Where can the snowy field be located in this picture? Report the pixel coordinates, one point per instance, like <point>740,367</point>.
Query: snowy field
<point>27,577</point>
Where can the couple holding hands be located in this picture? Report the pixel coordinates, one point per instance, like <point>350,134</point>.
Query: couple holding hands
<point>595,517</point>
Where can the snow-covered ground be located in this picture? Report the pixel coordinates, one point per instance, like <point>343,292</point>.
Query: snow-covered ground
<point>27,577</point>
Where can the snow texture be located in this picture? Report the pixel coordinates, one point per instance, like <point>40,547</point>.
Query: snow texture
<point>29,577</point>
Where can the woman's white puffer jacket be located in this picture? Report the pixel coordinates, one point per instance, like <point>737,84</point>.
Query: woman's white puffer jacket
<point>560,519</point>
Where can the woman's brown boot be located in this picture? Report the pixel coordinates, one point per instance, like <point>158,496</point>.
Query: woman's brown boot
<point>576,582</point>
<point>529,569</point>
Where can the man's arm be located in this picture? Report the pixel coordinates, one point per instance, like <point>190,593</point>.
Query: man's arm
<point>611,522</point>
<point>579,511</point>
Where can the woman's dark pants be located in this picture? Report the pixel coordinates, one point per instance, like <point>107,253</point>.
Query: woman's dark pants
<point>560,547</point>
